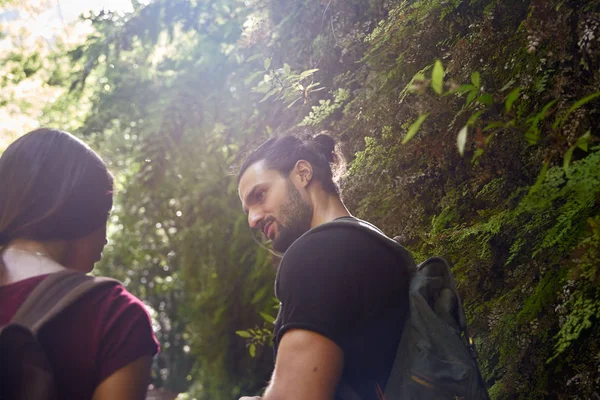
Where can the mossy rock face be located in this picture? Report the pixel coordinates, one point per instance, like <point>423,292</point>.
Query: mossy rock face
<point>517,214</point>
<point>523,249</point>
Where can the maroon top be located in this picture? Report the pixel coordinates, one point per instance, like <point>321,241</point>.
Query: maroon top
<point>102,332</point>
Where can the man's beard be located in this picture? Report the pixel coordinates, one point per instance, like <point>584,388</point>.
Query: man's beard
<point>296,216</point>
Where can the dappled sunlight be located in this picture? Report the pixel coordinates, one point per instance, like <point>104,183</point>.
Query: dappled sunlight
<point>36,28</point>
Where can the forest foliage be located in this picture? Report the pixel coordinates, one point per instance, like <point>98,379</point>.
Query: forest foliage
<point>469,130</point>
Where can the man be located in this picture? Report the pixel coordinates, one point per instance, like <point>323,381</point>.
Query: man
<point>343,294</point>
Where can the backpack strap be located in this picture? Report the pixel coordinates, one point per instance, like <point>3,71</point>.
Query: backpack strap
<point>344,390</point>
<point>53,295</point>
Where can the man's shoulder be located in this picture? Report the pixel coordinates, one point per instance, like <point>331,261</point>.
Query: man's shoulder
<point>339,234</point>
<point>324,250</point>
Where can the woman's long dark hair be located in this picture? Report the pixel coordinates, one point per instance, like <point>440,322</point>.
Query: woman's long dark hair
<point>52,187</point>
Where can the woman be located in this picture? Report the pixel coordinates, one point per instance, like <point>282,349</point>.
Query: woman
<point>55,199</point>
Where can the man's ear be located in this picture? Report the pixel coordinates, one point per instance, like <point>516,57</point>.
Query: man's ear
<point>303,172</point>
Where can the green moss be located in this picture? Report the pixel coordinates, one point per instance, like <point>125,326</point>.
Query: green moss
<point>544,295</point>
<point>443,220</point>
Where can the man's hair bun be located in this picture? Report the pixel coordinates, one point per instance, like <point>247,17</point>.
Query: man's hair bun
<point>282,152</point>
<point>326,146</point>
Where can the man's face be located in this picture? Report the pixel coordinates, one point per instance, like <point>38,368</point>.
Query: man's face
<point>274,205</point>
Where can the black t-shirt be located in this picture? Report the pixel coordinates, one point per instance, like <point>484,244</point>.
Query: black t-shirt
<point>346,285</point>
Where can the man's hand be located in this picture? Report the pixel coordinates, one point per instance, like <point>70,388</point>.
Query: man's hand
<point>308,366</point>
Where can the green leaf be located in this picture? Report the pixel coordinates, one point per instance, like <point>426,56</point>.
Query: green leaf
<point>574,107</point>
<point>267,63</point>
<point>540,179</point>
<point>471,96</point>
<point>307,73</point>
<point>476,79</point>
<point>511,98</point>
<point>269,94</point>
<point>312,85</point>
<point>507,86</point>
<point>568,156</point>
<point>294,102</point>
<point>542,114</point>
<point>462,89</point>
<point>252,77</point>
<point>267,317</point>
<point>260,294</point>
<point>461,140</point>
<point>244,334</point>
<point>287,69</point>
<point>478,153</point>
<point>420,76</point>
<point>474,118</point>
<point>584,141</point>
<point>486,99</point>
<point>252,350</point>
<point>409,88</point>
<point>437,77</point>
<point>414,128</point>
<point>254,57</point>
<point>318,89</point>
<point>494,125</point>
<point>533,133</point>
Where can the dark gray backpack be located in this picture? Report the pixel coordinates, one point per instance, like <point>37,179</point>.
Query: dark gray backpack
<point>436,358</point>
<point>25,373</point>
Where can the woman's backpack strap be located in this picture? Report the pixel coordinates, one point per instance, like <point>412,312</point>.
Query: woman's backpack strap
<point>53,295</point>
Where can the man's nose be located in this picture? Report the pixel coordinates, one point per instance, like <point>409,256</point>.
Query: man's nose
<point>254,218</point>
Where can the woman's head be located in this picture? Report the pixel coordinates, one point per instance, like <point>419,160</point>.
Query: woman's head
<point>53,187</point>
